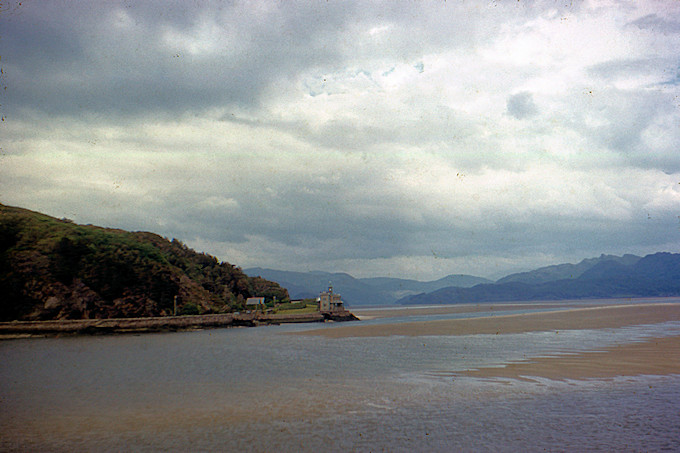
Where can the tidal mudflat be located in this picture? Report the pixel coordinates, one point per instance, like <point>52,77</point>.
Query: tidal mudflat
<point>576,376</point>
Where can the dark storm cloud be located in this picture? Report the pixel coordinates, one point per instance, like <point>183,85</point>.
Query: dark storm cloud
<point>141,57</point>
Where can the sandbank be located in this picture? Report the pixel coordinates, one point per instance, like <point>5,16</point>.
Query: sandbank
<point>372,313</point>
<point>597,317</point>
<point>657,356</point>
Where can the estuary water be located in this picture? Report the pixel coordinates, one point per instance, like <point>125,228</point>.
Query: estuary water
<point>267,389</point>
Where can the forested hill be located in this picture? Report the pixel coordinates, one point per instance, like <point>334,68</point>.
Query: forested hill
<point>55,269</point>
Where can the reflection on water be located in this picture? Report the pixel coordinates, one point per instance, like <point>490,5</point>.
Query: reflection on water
<point>260,390</point>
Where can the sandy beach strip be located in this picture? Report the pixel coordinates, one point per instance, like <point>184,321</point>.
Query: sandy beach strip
<point>598,317</point>
<point>656,356</point>
<point>372,313</point>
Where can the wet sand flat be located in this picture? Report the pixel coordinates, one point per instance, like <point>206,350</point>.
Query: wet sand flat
<point>657,356</point>
<point>598,317</point>
<point>372,313</point>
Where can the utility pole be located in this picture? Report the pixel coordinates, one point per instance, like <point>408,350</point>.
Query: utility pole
<point>174,306</point>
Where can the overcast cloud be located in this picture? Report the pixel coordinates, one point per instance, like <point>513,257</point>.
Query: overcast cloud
<point>410,139</point>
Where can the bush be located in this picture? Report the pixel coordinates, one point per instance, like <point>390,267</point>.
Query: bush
<point>189,308</point>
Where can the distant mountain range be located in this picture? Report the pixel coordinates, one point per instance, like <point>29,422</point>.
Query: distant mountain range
<point>608,276</point>
<point>656,275</point>
<point>566,271</point>
<point>358,291</point>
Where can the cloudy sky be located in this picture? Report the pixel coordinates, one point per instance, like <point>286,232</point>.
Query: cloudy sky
<point>409,139</point>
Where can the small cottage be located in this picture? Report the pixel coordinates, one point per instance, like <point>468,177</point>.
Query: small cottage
<point>255,303</point>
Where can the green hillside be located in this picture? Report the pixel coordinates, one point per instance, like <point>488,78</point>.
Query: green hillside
<point>55,269</point>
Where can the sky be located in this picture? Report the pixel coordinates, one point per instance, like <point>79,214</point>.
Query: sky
<point>388,138</point>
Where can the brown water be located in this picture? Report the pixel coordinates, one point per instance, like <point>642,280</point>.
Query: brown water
<point>261,390</point>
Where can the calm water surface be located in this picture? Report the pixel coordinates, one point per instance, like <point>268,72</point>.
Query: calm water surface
<point>264,390</point>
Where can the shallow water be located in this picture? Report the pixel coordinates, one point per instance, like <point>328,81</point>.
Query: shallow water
<point>263,390</point>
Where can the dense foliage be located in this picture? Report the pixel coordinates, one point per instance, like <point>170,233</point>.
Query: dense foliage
<point>55,269</point>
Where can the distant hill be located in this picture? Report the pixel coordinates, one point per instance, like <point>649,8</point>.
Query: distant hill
<point>358,291</point>
<point>565,271</point>
<point>398,288</point>
<point>55,269</point>
<point>656,275</point>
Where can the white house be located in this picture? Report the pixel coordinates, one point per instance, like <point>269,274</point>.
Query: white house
<point>255,302</point>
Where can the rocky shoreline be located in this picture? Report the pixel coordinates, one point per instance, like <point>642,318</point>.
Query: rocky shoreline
<point>20,329</point>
